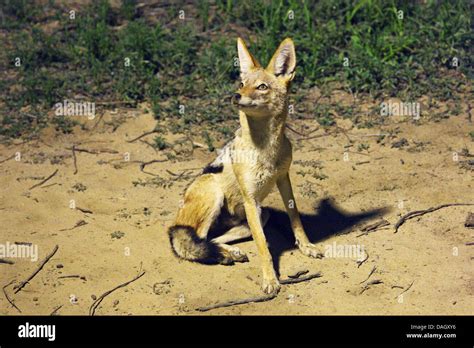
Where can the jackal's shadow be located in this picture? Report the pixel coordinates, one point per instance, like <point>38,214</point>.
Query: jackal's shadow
<point>327,221</point>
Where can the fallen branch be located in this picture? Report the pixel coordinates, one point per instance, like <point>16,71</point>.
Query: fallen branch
<point>47,258</point>
<point>97,302</point>
<point>8,297</point>
<point>262,298</point>
<point>416,213</point>
<point>45,180</point>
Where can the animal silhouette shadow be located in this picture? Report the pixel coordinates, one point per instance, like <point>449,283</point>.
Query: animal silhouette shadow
<point>329,220</point>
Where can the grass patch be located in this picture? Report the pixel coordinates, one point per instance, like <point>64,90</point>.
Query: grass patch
<point>373,47</point>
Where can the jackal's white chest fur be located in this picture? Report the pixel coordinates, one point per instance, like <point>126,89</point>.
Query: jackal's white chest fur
<point>263,167</point>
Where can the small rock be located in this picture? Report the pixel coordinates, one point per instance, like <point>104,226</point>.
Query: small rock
<point>59,265</point>
<point>94,297</point>
<point>469,220</point>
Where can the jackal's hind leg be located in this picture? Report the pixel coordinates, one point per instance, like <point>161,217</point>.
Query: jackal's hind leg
<point>235,234</point>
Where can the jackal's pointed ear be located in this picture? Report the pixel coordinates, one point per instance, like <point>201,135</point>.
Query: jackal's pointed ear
<point>283,62</point>
<point>246,61</point>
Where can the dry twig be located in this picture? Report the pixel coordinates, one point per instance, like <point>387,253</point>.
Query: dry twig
<point>416,213</point>
<point>97,302</point>
<point>8,297</point>
<point>373,227</point>
<point>75,159</point>
<point>370,274</point>
<point>359,263</point>
<point>43,181</point>
<point>262,298</point>
<point>143,135</point>
<point>408,288</point>
<point>46,259</point>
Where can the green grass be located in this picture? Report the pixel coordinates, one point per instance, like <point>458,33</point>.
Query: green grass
<point>111,53</point>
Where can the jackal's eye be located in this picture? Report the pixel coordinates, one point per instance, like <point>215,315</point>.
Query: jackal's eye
<point>262,87</point>
<point>241,85</point>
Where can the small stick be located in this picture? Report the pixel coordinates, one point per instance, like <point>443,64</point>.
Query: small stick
<point>93,152</point>
<point>85,211</point>
<point>7,159</point>
<point>56,310</point>
<point>299,133</point>
<point>416,213</point>
<point>73,276</point>
<point>8,262</point>
<point>42,182</point>
<point>373,227</point>
<point>144,164</point>
<point>301,279</point>
<point>359,263</point>
<point>97,302</point>
<point>258,298</point>
<point>149,144</point>
<point>405,289</point>
<point>8,297</point>
<point>47,258</point>
<point>75,159</point>
<point>238,302</point>
<point>98,121</point>
<point>359,153</point>
<point>78,224</point>
<point>373,282</point>
<point>143,135</point>
<point>363,162</point>
<point>370,274</point>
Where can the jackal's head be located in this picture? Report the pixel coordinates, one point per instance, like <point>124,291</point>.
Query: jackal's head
<point>263,91</point>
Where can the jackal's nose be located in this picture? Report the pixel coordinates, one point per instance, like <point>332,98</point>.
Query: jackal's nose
<point>237,96</point>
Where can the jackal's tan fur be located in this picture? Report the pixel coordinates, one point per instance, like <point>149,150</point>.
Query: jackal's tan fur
<point>228,195</point>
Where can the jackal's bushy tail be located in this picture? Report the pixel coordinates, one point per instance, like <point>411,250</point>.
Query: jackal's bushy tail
<point>187,245</point>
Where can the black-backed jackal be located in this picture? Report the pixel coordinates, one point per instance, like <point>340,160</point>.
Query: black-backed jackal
<point>228,194</point>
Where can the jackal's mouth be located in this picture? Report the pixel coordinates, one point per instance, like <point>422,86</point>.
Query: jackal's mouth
<point>246,105</point>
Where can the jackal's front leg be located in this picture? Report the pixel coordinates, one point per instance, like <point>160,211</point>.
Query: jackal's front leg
<point>302,241</point>
<point>270,284</point>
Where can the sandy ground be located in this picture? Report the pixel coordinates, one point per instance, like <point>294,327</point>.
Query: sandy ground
<point>125,212</point>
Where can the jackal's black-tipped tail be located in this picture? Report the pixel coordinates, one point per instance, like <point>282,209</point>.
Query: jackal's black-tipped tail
<point>187,245</point>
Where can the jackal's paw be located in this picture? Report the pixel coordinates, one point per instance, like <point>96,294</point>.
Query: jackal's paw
<point>310,250</point>
<point>238,255</point>
<point>231,254</point>
<point>271,286</point>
